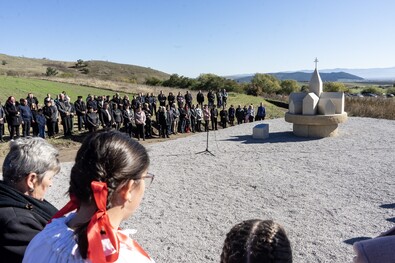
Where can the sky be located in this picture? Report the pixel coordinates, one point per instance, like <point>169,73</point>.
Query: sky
<point>193,37</point>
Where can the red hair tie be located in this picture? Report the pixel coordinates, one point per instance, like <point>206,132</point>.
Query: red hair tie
<point>72,205</point>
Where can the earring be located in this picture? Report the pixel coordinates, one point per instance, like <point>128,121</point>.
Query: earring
<point>31,190</point>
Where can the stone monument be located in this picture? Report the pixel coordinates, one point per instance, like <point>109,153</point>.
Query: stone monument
<point>317,113</point>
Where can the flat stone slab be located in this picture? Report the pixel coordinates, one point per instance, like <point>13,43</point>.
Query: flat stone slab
<point>260,131</point>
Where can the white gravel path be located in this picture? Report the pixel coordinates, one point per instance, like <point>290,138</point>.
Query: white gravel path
<point>327,192</point>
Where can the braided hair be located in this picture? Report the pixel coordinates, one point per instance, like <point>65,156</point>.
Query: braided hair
<point>105,156</point>
<point>254,241</point>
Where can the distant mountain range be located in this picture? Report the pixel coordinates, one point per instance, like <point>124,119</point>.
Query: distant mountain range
<point>339,74</point>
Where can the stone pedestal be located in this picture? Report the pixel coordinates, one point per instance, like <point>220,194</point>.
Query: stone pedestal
<point>318,126</point>
<point>260,131</point>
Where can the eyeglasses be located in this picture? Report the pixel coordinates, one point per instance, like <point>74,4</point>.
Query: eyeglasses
<point>148,179</point>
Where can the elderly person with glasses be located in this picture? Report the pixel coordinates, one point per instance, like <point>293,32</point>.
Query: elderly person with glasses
<point>28,170</point>
<point>107,184</point>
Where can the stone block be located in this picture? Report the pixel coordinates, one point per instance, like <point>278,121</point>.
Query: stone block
<point>337,98</point>
<point>296,102</point>
<point>310,103</point>
<point>260,131</point>
<point>326,107</point>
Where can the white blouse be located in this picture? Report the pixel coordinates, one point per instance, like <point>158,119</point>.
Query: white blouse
<point>57,244</point>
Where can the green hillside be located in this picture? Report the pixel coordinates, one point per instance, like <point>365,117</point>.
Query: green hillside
<point>32,67</point>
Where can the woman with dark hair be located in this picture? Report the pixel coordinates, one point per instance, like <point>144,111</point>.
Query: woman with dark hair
<point>107,184</point>
<point>13,117</point>
<point>254,241</point>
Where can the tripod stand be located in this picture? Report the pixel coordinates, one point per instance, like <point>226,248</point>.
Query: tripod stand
<point>206,151</point>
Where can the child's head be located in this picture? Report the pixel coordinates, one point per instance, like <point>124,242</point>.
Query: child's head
<point>257,241</point>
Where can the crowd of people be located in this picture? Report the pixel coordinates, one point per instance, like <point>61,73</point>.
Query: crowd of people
<point>142,116</point>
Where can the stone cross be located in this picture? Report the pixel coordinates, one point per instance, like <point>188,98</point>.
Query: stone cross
<point>316,61</point>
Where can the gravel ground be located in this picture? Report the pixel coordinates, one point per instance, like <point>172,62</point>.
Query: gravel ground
<point>327,193</point>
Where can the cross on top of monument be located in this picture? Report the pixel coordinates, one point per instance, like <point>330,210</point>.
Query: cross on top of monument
<point>316,61</point>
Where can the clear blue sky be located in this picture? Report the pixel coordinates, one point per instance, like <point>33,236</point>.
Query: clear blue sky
<point>190,37</point>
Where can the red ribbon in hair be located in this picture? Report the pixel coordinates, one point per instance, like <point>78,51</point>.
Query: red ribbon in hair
<point>100,225</point>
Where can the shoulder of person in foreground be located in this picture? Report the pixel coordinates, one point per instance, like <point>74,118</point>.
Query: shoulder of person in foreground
<point>376,250</point>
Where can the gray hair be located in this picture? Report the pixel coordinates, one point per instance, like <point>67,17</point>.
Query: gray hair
<point>29,155</point>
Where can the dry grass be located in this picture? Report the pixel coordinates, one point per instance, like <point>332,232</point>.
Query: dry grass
<point>381,108</point>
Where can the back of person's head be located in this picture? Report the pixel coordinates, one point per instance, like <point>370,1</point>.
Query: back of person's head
<point>254,241</point>
<point>29,155</point>
<point>110,157</point>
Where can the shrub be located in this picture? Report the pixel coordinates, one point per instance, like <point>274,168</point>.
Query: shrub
<point>288,86</point>
<point>335,87</point>
<point>51,72</point>
<point>84,70</point>
<point>391,91</point>
<point>153,81</point>
<point>3,62</point>
<point>373,90</point>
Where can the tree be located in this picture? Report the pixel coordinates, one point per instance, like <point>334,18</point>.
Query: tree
<point>80,63</point>
<point>51,71</point>
<point>266,83</point>
<point>288,86</point>
<point>153,81</point>
<point>335,87</point>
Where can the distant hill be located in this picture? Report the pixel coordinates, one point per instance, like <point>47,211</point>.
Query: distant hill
<point>368,73</point>
<point>304,76</point>
<point>21,66</point>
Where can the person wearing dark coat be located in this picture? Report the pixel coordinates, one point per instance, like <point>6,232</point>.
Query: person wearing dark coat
<point>232,114</point>
<point>13,117</point>
<point>163,123</point>
<point>117,116</point>
<point>239,114</point>
<point>171,99</point>
<point>28,170</point>
<point>162,99</point>
<point>65,114</point>
<point>106,116</point>
<point>31,100</point>
<point>2,121</point>
<point>224,117</point>
<point>92,120</point>
<point>200,98</point>
<point>40,122</point>
<point>27,117</point>
<point>80,109</point>
<point>51,115</point>
<point>214,118</point>
<point>128,120</point>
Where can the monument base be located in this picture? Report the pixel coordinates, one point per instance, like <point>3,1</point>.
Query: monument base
<point>317,126</point>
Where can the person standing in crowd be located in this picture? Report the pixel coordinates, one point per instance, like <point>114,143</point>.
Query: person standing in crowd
<point>162,99</point>
<point>182,120</point>
<point>257,241</point>
<point>200,98</point>
<point>214,117</point>
<point>140,119</point>
<point>169,118</point>
<point>176,116</point>
<point>206,117</point>
<point>13,117</point>
<point>28,170</point>
<point>80,108</point>
<point>199,118</point>
<point>33,109</point>
<point>261,113</point>
<point>2,121</point>
<point>232,114</point>
<point>153,102</point>
<point>117,116</point>
<point>224,117</point>
<point>92,122</point>
<point>91,103</point>
<point>102,196</point>
<point>128,120</point>
<point>239,114</point>
<point>148,121</point>
<point>51,116</point>
<point>180,100</point>
<point>193,116</point>
<point>27,117</point>
<point>188,99</point>
<point>30,99</point>
<point>224,95</point>
<point>40,122</point>
<point>171,99</point>
<point>106,116</point>
<point>250,113</point>
<point>219,98</point>
<point>246,117</point>
<point>64,111</point>
<point>210,98</point>
<point>162,117</point>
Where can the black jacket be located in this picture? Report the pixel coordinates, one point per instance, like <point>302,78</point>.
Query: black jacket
<point>21,218</point>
